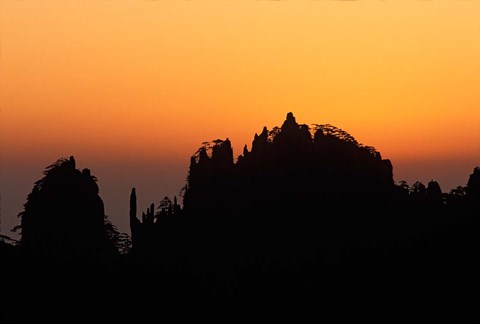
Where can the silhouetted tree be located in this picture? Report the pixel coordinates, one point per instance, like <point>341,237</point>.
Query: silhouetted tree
<point>165,208</point>
<point>418,193</point>
<point>121,241</point>
<point>404,187</point>
<point>456,196</point>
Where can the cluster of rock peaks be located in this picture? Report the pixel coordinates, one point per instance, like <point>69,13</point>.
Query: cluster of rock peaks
<point>291,164</point>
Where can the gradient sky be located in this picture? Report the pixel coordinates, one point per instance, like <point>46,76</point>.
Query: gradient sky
<point>132,88</point>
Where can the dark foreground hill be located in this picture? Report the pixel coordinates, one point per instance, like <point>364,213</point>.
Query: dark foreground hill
<point>307,215</point>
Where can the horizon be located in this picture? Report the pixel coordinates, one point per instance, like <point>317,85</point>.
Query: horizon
<point>134,90</point>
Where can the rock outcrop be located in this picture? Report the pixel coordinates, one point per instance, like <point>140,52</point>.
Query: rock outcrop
<point>289,165</point>
<point>64,213</point>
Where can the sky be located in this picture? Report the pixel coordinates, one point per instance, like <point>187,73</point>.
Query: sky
<point>132,88</point>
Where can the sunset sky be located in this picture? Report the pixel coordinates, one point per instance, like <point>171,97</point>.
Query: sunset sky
<point>132,88</point>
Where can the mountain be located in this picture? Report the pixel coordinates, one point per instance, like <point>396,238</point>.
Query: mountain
<point>64,213</point>
<point>288,165</point>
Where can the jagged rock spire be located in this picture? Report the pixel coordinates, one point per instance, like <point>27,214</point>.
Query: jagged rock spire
<point>290,120</point>
<point>473,187</point>
<point>133,205</point>
<point>72,165</point>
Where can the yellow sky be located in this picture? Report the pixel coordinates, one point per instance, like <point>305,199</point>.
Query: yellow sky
<point>150,80</point>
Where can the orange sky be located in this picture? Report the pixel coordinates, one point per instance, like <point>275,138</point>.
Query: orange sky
<point>132,88</point>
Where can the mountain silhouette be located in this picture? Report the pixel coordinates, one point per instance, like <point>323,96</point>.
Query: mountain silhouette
<point>288,170</point>
<point>64,213</point>
<point>289,165</point>
<point>312,190</point>
<point>306,210</point>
